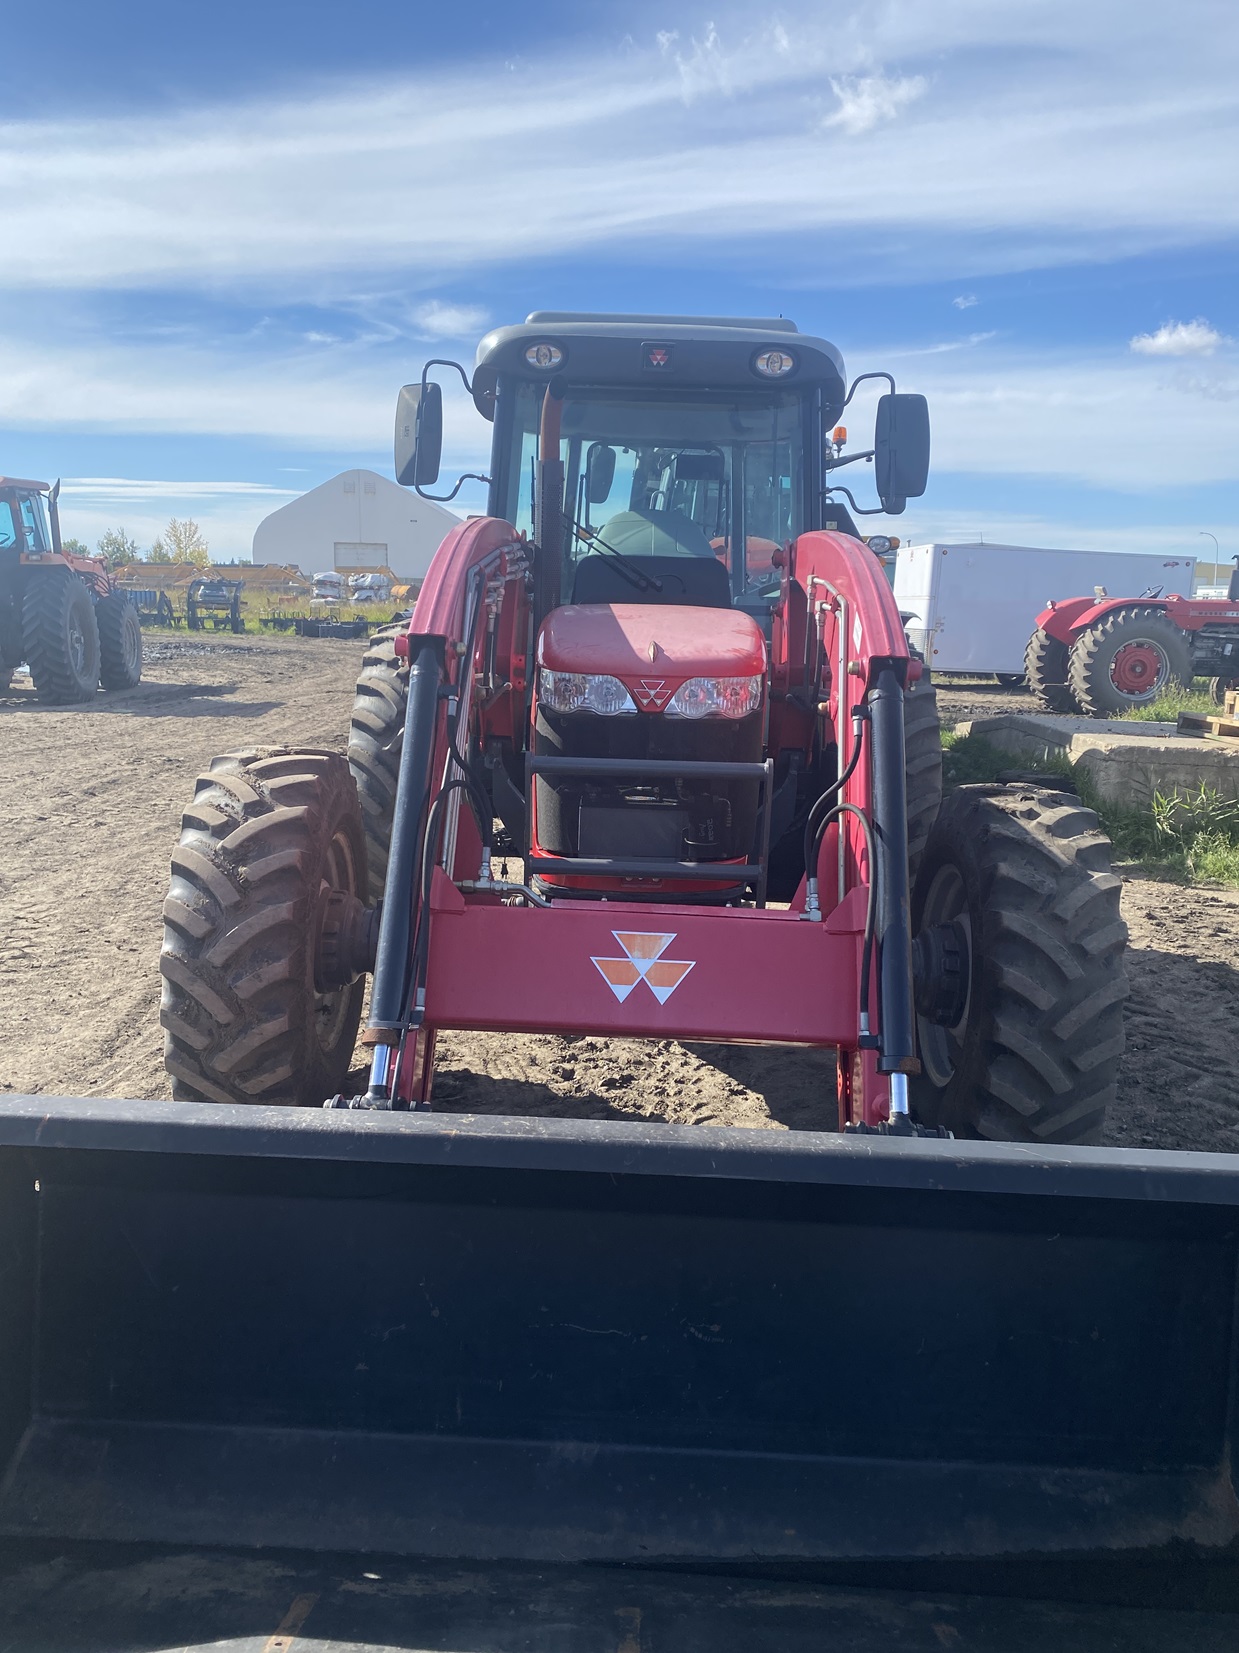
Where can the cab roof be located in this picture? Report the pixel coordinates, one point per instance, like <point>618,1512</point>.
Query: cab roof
<point>616,349</point>
<point>26,484</point>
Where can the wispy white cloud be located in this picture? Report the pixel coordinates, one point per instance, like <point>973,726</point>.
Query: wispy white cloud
<point>1050,131</point>
<point>440,320</point>
<point>965,301</point>
<point>1179,338</point>
<point>865,101</point>
<point>121,490</point>
<point>1070,417</point>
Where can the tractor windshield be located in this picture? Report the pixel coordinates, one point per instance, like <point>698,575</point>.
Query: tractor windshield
<point>694,475</point>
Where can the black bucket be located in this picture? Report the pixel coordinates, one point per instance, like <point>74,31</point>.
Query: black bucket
<point>525,1340</point>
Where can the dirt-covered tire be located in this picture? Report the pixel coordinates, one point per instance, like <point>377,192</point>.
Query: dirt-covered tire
<point>376,734</point>
<point>922,741</point>
<point>1127,659</point>
<point>1045,671</point>
<point>1220,687</point>
<point>60,636</point>
<point>267,835</point>
<point>1023,875</point>
<point>120,641</point>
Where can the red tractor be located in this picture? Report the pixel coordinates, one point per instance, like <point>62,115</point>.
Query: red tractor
<point>1103,656</point>
<point>628,772</point>
<point>61,613</point>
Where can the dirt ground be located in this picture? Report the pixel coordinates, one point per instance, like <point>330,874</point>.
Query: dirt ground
<point>92,803</point>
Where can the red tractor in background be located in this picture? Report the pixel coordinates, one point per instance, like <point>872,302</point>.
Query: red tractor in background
<point>61,613</point>
<point>718,769</point>
<point>1103,656</point>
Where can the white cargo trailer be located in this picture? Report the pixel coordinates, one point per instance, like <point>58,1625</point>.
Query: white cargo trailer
<point>973,607</point>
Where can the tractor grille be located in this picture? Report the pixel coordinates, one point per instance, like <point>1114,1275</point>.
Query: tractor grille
<point>632,814</point>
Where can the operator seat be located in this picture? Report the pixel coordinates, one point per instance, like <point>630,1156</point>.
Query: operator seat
<point>645,532</point>
<point>688,581</point>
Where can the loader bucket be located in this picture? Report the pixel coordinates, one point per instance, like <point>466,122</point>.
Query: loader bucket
<point>525,1340</point>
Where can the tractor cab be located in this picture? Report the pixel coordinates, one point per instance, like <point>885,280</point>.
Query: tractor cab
<point>29,525</point>
<point>661,471</point>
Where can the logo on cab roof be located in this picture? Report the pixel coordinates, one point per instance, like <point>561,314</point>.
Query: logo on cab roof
<point>643,961</point>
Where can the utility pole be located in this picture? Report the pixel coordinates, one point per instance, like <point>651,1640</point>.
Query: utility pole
<point>1205,534</point>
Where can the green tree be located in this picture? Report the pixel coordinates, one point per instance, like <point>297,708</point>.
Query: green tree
<point>186,543</point>
<point>115,547</point>
<point>158,553</point>
<point>74,548</point>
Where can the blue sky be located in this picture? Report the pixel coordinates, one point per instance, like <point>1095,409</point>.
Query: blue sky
<point>234,231</point>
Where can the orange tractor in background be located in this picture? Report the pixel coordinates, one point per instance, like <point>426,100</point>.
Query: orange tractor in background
<point>63,614</point>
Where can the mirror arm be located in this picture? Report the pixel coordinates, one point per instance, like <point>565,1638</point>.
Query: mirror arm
<point>442,361</point>
<point>860,379</point>
<point>860,510</point>
<point>469,476</point>
<point>833,464</point>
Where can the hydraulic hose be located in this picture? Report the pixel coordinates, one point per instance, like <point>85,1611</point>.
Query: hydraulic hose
<point>871,901</point>
<point>832,791</point>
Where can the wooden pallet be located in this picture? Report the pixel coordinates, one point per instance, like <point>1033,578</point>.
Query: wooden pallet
<point>1197,723</point>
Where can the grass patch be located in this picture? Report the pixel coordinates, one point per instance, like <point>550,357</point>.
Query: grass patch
<point>1167,706</point>
<point>1185,838</point>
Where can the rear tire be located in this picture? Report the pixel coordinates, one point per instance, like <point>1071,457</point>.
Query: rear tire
<point>267,835</point>
<point>120,642</point>
<point>1045,670</point>
<point>1106,678</point>
<point>376,735</point>
<point>60,637</point>
<point>1025,872</point>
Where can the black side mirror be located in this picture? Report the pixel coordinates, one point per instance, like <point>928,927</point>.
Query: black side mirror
<point>599,472</point>
<point>419,434</point>
<point>901,450</point>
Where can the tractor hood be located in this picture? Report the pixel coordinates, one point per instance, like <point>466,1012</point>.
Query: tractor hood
<point>638,642</point>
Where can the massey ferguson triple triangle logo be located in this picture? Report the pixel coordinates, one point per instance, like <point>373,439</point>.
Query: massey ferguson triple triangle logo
<point>643,961</point>
<point>655,693</point>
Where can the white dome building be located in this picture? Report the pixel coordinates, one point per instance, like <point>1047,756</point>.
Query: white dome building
<point>358,520</point>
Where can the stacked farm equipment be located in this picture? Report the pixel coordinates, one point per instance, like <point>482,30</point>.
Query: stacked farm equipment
<point>630,772</point>
<point>63,614</point>
<point>1104,656</point>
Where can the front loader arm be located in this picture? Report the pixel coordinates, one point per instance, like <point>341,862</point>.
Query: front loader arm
<point>856,654</point>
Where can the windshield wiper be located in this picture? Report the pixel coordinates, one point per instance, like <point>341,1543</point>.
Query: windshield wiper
<point>634,575</point>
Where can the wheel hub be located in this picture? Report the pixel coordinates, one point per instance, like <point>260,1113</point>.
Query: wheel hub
<point>1139,668</point>
<point>942,967</point>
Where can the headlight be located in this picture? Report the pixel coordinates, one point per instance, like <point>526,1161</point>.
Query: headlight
<point>716,697</point>
<point>583,692</point>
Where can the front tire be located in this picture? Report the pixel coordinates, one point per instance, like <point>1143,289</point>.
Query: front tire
<point>376,735</point>
<point>1020,876</point>
<point>922,743</point>
<point>267,838</point>
<point>60,637</point>
<point>1126,660</point>
<point>1045,671</point>
<point>120,642</point>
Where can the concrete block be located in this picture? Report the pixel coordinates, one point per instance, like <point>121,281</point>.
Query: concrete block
<point>1126,762</point>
